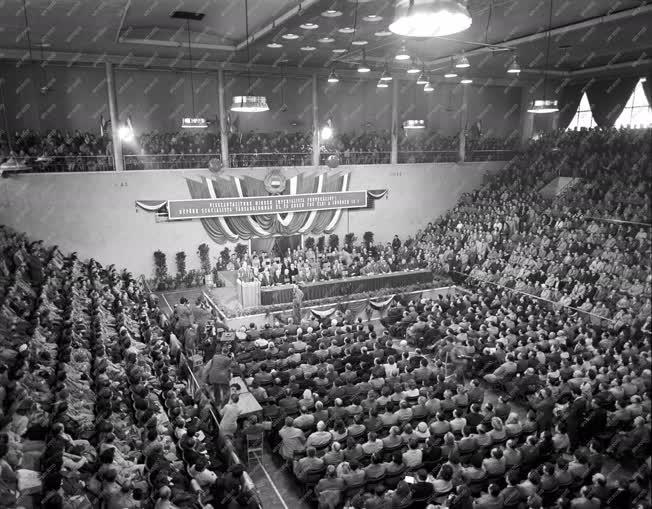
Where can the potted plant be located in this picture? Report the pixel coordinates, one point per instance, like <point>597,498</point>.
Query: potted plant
<point>204,258</point>
<point>225,256</point>
<point>368,239</point>
<point>334,241</point>
<point>160,270</point>
<point>180,259</point>
<point>321,241</point>
<point>349,239</point>
<point>309,243</point>
<point>240,251</point>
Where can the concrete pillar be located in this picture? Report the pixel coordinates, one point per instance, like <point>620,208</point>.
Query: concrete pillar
<point>527,119</point>
<point>115,117</point>
<point>224,134</point>
<point>394,128</point>
<point>315,123</point>
<point>464,120</point>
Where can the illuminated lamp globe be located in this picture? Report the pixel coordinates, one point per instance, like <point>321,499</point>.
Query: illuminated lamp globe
<point>333,161</point>
<point>429,18</point>
<point>215,165</point>
<point>249,103</point>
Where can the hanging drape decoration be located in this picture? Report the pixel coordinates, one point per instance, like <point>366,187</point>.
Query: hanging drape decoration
<point>263,226</point>
<point>354,307</point>
<point>647,88</point>
<point>608,99</point>
<point>232,228</point>
<point>568,102</point>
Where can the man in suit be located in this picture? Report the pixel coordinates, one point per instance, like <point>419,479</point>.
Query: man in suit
<point>307,464</point>
<point>576,417</point>
<point>422,489</point>
<point>544,409</point>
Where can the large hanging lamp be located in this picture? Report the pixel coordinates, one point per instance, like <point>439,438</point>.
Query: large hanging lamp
<point>430,18</point>
<point>514,68</point>
<point>423,78</point>
<point>126,132</point>
<point>249,103</point>
<point>545,105</point>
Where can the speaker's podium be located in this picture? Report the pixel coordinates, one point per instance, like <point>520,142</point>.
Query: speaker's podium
<point>248,293</point>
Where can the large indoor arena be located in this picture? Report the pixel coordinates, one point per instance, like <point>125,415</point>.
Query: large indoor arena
<point>325,254</point>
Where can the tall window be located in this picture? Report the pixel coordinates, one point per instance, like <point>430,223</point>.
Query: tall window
<point>637,112</point>
<point>583,117</point>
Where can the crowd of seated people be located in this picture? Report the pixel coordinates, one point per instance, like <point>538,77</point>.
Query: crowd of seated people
<point>361,419</point>
<point>94,408</point>
<point>57,150</point>
<point>304,265</point>
<point>560,248</point>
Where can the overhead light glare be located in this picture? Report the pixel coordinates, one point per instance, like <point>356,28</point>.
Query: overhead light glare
<point>430,18</point>
<point>383,33</point>
<point>466,81</point>
<point>326,40</point>
<point>360,42</point>
<point>346,30</point>
<point>385,76</point>
<point>382,84</point>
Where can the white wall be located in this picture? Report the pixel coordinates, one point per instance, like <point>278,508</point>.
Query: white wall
<point>95,214</point>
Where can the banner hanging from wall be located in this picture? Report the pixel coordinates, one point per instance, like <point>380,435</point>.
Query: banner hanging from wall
<point>242,207</point>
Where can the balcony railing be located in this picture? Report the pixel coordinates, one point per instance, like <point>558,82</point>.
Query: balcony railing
<point>168,161</point>
<point>69,164</point>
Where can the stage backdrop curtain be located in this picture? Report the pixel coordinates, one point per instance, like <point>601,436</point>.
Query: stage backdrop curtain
<point>608,99</point>
<point>647,88</point>
<point>569,100</point>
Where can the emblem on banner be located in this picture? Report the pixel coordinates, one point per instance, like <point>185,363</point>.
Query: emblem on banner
<point>275,182</point>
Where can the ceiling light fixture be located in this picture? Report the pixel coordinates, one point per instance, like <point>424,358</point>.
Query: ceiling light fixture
<point>386,76</point>
<point>545,105</point>
<point>332,77</point>
<point>339,50</point>
<point>274,45</point>
<point>402,54</point>
<point>290,36</point>
<point>331,13</point>
<point>307,48</point>
<point>346,30</point>
<point>309,26</point>
<point>514,68</point>
<point>413,68</point>
<point>414,124</point>
<point>428,87</point>
<point>462,62</point>
<point>451,73</point>
<point>466,81</point>
<point>430,18</point>
<point>363,67</point>
<point>249,103</point>
<point>372,18</point>
<point>381,84</point>
<point>422,79</point>
<point>326,40</point>
<point>360,42</point>
<point>383,33</point>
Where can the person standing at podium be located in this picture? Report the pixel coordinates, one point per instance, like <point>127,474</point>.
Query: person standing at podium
<point>245,273</point>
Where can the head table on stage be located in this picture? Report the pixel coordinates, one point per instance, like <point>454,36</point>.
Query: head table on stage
<point>282,294</point>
